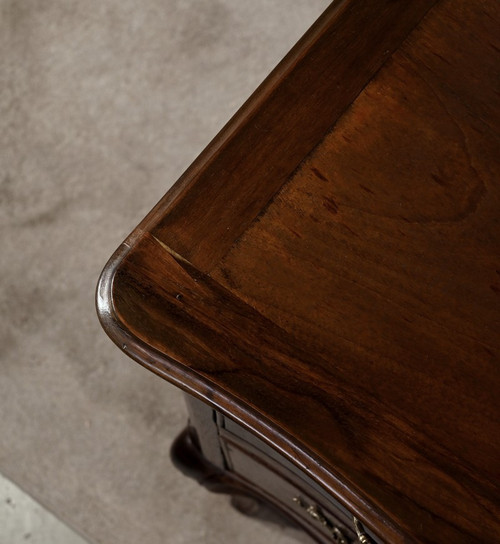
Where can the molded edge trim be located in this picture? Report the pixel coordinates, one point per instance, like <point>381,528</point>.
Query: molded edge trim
<point>202,388</point>
<point>174,371</point>
<point>253,155</point>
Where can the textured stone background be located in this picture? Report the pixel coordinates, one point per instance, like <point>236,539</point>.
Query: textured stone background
<point>103,104</point>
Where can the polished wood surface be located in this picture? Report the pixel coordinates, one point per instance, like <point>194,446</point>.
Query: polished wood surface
<point>330,277</point>
<point>255,154</point>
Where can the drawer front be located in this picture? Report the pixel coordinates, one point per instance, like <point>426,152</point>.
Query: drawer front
<point>235,430</point>
<point>288,492</point>
<point>248,444</point>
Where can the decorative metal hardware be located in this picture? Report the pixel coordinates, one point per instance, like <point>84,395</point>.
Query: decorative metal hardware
<point>360,531</point>
<point>315,512</point>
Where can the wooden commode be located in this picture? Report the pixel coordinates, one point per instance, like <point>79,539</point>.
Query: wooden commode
<point>324,282</point>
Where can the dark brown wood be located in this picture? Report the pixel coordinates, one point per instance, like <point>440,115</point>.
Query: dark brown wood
<point>291,493</point>
<point>351,320</point>
<point>246,497</point>
<point>254,155</point>
<point>202,419</point>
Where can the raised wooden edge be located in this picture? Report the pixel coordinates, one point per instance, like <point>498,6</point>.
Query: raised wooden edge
<point>253,155</point>
<point>204,389</point>
<point>352,40</point>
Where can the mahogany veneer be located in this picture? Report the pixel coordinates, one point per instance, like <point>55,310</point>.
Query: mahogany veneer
<point>326,278</point>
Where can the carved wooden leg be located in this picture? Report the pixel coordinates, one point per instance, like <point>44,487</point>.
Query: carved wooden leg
<point>187,457</point>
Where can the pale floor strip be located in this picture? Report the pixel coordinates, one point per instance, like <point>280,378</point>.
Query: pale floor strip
<point>24,521</point>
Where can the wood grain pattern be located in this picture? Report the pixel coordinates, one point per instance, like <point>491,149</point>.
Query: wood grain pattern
<point>352,321</point>
<point>254,155</point>
<point>388,237</point>
<point>188,329</point>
